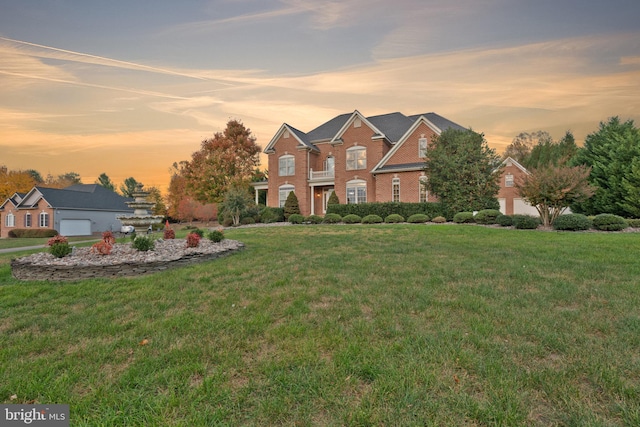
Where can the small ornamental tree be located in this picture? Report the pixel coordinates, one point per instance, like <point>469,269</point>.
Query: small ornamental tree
<point>291,205</point>
<point>236,201</point>
<point>553,189</point>
<point>333,199</point>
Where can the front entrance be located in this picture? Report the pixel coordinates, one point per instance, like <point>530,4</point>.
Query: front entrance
<point>326,193</point>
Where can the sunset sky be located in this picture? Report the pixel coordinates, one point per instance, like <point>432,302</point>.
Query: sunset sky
<point>127,87</point>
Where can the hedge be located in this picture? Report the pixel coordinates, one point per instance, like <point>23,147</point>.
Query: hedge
<point>383,210</point>
<point>572,222</point>
<point>29,233</point>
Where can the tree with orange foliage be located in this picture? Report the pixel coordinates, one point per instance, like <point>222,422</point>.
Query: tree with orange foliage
<point>14,182</point>
<point>227,159</point>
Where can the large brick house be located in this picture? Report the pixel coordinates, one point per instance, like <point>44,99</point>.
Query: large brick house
<point>363,159</point>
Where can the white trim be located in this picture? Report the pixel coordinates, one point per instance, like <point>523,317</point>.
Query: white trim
<point>276,137</point>
<point>43,219</point>
<point>348,123</point>
<point>10,220</point>
<point>515,163</point>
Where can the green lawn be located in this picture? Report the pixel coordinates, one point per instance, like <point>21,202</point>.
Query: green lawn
<point>393,325</point>
<point>11,243</point>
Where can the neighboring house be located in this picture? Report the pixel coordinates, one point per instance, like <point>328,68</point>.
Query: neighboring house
<point>510,201</point>
<point>79,210</point>
<point>363,159</point>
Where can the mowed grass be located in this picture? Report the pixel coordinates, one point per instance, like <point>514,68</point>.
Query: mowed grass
<point>393,325</point>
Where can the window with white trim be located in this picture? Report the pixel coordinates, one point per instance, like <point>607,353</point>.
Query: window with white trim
<point>357,191</point>
<point>43,220</point>
<point>10,220</point>
<point>422,147</point>
<point>286,165</point>
<point>283,193</point>
<point>422,188</point>
<point>27,219</point>
<point>508,180</point>
<point>395,190</point>
<point>356,158</point>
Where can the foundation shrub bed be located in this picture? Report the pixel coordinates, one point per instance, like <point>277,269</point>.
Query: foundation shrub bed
<point>486,216</point>
<point>372,219</point>
<point>332,218</point>
<point>394,219</point>
<point>609,222</point>
<point>572,222</point>
<point>463,218</point>
<point>351,219</point>
<point>269,215</point>
<point>383,210</point>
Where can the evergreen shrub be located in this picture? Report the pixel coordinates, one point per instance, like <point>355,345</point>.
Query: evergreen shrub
<point>383,210</point>
<point>439,220</point>
<point>504,220</point>
<point>635,222</point>
<point>313,219</point>
<point>486,216</point>
<point>216,236</point>
<point>296,219</point>
<point>394,219</point>
<point>143,243</point>
<point>32,233</point>
<point>269,215</point>
<point>609,222</point>
<point>372,219</point>
<point>351,219</point>
<point>418,219</point>
<point>572,222</point>
<point>332,218</point>
<point>463,218</point>
<point>525,222</point>
<point>247,221</point>
<point>291,205</point>
<point>59,246</point>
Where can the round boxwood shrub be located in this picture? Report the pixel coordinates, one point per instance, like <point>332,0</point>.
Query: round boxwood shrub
<point>296,219</point>
<point>247,221</point>
<point>439,220</point>
<point>463,218</point>
<point>572,222</point>
<point>487,216</point>
<point>314,219</point>
<point>143,243</point>
<point>418,218</point>
<point>394,219</point>
<point>216,236</point>
<point>504,220</point>
<point>352,219</point>
<point>525,222</point>
<point>635,222</point>
<point>332,218</point>
<point>372,219</point>
<point>609,222</point>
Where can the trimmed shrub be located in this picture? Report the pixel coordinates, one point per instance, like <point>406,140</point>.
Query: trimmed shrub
<point>143,243</point>
<point>418,218</point>
<point>394,219</point>
<point>247,221</point>
<point>486,216</point>
<point>291,205</point>
<point>504,220</point>
<point>296,219</point>
<point>383,210</point>
<point>216,236</point>
<point>313,219</point>
<point>59,247</point>
<point>268,215</point>
<point>635,222</point>
<point>333,199</point>
<point>332,218</point>
<point>609,222</point>
<point>32,233</point>
<point>372,219</point>
<point>463,218</point>
<point>526,222</point>
<point>572,222</point>
<point>351,219</point>
<point>439,220</point>
<point>193,240</point>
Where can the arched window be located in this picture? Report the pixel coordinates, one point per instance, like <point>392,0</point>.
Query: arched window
<point>43,220</point>
<point>284,191</point>
<point>356,158</point>
<point>422,188</point>
<point>287,165</point>
<point>10,220</point>
<point>357,191</point>
<point>27,219</point>
<point>395,190</point>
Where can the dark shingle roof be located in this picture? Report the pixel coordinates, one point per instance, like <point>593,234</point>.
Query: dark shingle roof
<point>85,196</point>
<point>329,129</point>
<point>439,121</point>
<point>393,125</point>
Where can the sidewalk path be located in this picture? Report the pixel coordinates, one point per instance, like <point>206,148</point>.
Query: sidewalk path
<point>30,248</point>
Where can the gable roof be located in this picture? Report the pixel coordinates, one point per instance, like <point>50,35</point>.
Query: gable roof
<point>79,196</point>
<point>514,162</point>
<point>14,199</point>
<point>391,127</point>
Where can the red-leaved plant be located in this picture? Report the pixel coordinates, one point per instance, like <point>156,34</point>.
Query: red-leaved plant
<point>104,246</point>
<point>57,239</point>
<point>193,240</point>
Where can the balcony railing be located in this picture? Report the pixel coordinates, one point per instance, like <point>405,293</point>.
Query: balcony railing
<point>315,175</point>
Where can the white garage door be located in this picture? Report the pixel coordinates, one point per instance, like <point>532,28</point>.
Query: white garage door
<point>523,208</point>
<point>75,227</point>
